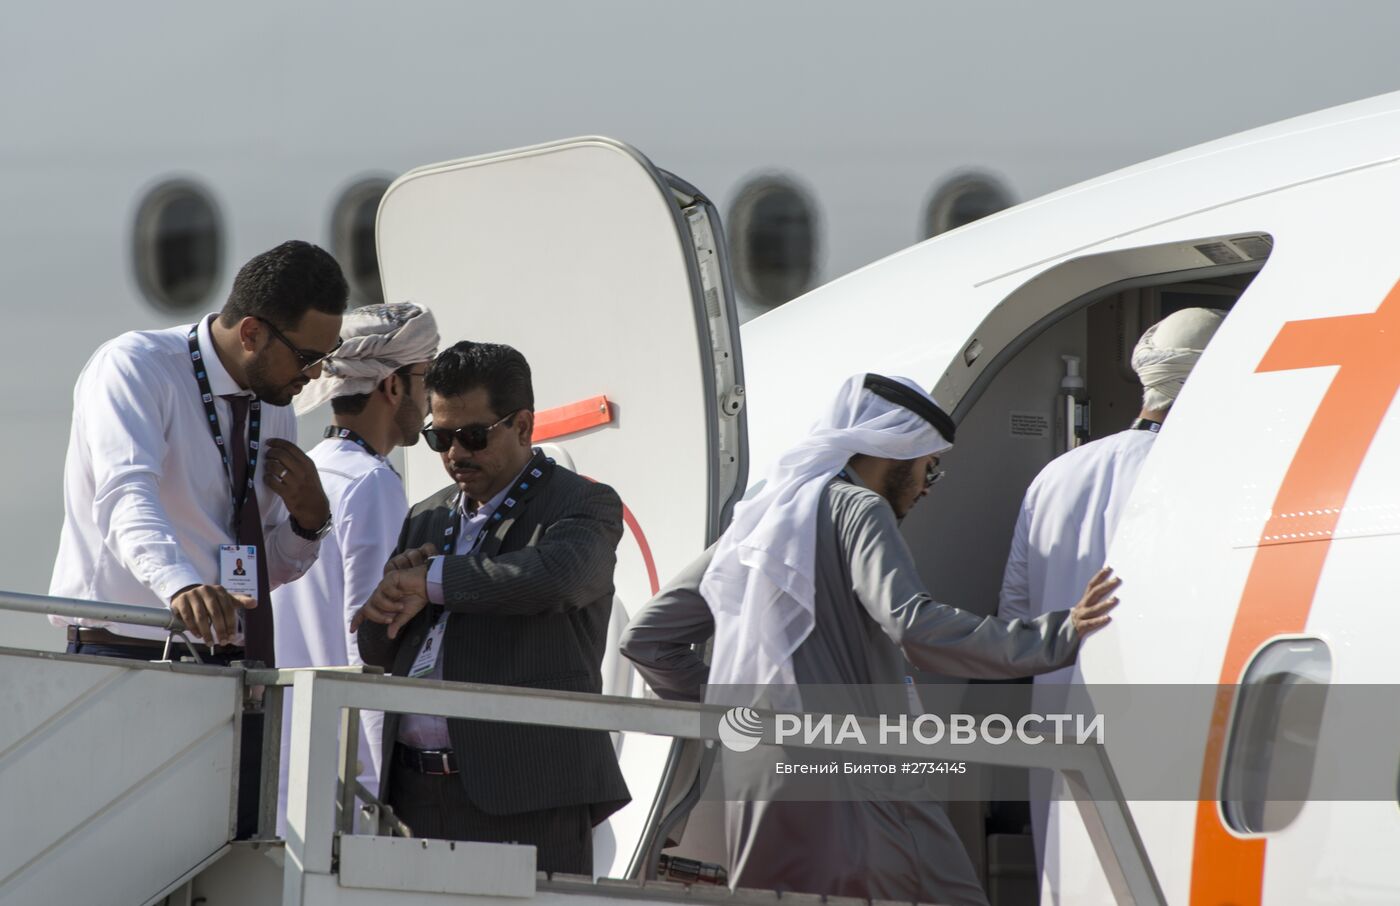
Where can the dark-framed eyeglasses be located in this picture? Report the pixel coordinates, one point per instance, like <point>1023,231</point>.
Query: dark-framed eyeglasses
<point>933,476</point>
<point>473,438</point>
<point>309,358</point>
<point>410,374</point>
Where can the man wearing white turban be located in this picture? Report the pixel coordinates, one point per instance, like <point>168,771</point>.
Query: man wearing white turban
<point>1072,508</point>
<point>374,384</point>
<point>812,585</point>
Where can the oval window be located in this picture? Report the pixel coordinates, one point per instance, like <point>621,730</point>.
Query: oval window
<point>177,244</point>
<point>352,239</point>
<point>963,199</point>
<point>773,240</point>
<point>1273,736</point>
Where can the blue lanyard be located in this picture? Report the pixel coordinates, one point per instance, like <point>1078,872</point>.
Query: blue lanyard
<point>508,505</point>
<point>353,437</point>
<point>206,394</point>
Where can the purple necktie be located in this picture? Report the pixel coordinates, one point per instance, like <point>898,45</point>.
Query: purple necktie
<point>257,623</point>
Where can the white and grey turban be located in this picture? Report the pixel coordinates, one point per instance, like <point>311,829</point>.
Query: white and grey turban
<point>1169,350</point>
<point>378,340</point>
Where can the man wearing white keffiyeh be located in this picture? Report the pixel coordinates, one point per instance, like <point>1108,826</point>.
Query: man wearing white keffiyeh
<point>812,585</point>
<point>374,384</point>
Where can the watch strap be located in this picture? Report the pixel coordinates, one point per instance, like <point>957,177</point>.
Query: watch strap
<point>315,534</point>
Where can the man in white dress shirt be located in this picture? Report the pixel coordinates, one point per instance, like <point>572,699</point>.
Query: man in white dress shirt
<point>375,388</point>
<point>1073,506</point>
<point>183,446</point>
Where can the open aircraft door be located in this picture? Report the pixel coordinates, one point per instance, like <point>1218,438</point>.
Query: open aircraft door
<point>609,275</point>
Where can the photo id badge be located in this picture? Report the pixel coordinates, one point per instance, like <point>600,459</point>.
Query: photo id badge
<point>428,654</point>
<point>238,569</point>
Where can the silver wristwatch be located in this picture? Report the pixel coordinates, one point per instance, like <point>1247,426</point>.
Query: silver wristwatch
<point>315,534</point>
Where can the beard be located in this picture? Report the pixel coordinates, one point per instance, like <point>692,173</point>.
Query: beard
<point>408,420</point>
<point>899,486</point>
<point>264,388</point>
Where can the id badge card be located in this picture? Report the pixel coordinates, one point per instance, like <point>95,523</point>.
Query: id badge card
<point>432,645</point>
<point>238,569</point>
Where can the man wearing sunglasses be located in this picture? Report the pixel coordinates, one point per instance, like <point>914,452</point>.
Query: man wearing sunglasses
<point>374,384</point>
<point>812,589</point>
<point>504,577</point>
<point>183,445</point>
<point>182,460</point>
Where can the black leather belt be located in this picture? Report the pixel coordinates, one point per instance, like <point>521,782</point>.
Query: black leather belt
<point>427,761</point>
<point>84,635</point>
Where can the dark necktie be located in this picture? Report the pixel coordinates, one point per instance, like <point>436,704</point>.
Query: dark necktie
<point>257,623</point>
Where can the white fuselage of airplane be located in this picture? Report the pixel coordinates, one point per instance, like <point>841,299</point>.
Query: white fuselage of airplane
<point>1263,514</point>
<point>1263,521</point>
<point>273,112</point>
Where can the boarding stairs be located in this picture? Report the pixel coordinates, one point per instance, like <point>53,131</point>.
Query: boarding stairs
<point>120,780</point>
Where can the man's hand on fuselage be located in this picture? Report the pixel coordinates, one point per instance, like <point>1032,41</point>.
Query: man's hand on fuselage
<point>1091,613</point>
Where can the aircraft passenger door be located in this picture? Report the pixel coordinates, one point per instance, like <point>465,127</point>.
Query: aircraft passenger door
<point>608,274</point>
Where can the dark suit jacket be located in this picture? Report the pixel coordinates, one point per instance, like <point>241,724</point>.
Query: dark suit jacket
<point>530,608</point>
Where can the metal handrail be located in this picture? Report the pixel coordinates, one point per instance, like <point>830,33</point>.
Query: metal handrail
<point>130,614</point>
<point>326,698</point>
<point>322,698</point>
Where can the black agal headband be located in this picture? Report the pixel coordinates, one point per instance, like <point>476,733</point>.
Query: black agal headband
<point>915,402</point>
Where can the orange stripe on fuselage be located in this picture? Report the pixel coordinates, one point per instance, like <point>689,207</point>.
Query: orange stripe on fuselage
<point>1282,582</point>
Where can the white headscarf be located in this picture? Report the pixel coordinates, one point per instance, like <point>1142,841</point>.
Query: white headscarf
<point>378,340</point>
<point>761,582</point>
<point>1167,352</point>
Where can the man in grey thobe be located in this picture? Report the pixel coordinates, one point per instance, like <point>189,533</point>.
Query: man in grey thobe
<point>813,585</point>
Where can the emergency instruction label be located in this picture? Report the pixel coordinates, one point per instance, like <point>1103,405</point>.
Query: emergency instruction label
<point>1030,424</point>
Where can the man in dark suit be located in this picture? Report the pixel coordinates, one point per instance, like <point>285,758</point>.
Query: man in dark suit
<point>503,577</point>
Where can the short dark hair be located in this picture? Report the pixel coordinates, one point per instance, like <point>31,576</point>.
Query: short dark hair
<point>350,404</point>
<point>500,369</point>
<point>355,403</point>
<point>283,283</point>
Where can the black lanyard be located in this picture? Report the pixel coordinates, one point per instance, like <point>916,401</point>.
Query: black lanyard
<point>353,437</point>
<point>254,424</point>
<point>1146,424</point>
<point>511,501</point>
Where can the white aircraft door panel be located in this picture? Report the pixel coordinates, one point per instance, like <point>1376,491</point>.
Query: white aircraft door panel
<point>608,275</point>
<point>1248,439</point>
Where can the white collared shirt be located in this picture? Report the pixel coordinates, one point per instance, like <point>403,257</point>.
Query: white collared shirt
<point>313,614</point>
<point>146,498</point>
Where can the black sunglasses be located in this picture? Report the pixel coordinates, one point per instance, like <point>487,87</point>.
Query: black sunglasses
<point>473,438</point>
<point>309,358</point>
<point>933,476</point>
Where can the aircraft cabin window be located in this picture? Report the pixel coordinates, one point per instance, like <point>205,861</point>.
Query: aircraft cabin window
<point>963,199</point>
<point>177,245</point>
<point>352,239</point>
<point>773,240</point>
<point>1273,737</point>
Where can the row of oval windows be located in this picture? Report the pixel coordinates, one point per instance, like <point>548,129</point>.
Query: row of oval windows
<point>774,240</point>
